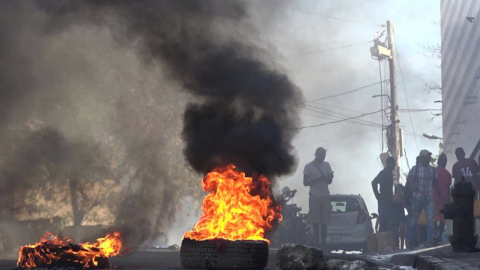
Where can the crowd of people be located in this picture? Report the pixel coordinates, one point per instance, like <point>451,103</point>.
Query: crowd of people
<point>427,190</point>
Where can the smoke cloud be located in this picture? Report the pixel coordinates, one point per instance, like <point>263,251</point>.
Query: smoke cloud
<point>91,91</point>
<point>246,111</point>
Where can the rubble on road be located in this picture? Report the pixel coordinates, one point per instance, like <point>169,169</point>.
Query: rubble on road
<point>335,264</point>
<point>300,257</point>
<point>355,265</point>
<point>174,247</point>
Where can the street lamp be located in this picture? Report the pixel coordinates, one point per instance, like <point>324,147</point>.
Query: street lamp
<point>430,136</point>
<point>384,95</point>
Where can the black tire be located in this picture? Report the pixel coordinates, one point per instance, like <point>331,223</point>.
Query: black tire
<point>223,254</point>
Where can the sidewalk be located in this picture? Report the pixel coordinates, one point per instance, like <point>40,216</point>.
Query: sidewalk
<point>449,261</point>
<point>440,258</point>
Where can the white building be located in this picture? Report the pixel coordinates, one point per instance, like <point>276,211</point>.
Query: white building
<point>460,21</point>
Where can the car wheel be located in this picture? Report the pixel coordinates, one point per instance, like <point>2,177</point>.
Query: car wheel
<point>223,254</point>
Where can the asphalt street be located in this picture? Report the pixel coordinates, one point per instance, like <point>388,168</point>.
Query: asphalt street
<point>157,259</point>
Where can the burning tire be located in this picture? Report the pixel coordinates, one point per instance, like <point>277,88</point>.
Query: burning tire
<point>223,254</point>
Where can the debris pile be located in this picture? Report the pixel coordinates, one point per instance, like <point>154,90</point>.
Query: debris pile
<point>300,257</point>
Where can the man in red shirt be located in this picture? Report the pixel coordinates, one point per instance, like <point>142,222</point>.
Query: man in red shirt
<point>444,182</point>
<point>466,167</point>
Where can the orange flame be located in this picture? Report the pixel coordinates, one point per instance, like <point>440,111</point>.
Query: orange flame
<point>237,208</point>
<point>53,249</point>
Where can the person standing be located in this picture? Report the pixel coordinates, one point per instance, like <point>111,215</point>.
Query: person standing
<point>398,220</point>
<point>385,196</point>
<point>407,201</point>
<point>444,181</point>
<point>422,179</point>
<point>318,175</point>
<point>466,167</point>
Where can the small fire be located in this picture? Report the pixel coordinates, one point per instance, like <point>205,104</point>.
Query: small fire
<point>53,249</point>
<point>236,208</point>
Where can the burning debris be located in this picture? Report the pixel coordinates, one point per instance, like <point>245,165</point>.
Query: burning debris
<point>236,208</point>
<point>237,213</point>
<point>54,250</point>
<point>241,108</point>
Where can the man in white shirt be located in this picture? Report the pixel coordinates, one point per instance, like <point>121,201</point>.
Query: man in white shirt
<point>318,175</point>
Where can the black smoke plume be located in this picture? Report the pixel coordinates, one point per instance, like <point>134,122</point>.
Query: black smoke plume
<point>75,117</point>
<point>246,108</point>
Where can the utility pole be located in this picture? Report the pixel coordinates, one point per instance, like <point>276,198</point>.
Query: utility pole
<point>394,133</point>
<point>381,51</point>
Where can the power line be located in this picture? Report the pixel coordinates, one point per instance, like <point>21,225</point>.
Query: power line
<point>323,15</point>
<point>417,110</point>
<point>332,49</point>
<point>344,93</point>
<point>350,121</point>
<point>406,97</point>
<point>406,157</point>
<point>337,107</point>
<point>341,116</point>
<point>338,121</point>
<point>316,116</point>
<point>336,138</point>
<point>337,114</point>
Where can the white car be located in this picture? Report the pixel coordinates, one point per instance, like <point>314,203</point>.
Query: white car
<point>350,223</point>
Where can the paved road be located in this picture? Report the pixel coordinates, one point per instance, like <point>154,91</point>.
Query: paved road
<point>167,259</point>
<point>159,259</point>
<point>164,260</point>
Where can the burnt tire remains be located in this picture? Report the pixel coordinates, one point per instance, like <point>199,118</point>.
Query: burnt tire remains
<point>223,254</point>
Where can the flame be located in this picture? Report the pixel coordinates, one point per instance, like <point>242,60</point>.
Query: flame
<point>236,208</point>
<point>53,249</point>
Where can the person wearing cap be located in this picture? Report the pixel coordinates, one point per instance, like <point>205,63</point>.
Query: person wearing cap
<point>465,167</point>
<point>318,175</point>
<point>422,179</point>
<point>385,196</point>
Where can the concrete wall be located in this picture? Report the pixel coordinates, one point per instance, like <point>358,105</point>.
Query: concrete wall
<point>460,76</point>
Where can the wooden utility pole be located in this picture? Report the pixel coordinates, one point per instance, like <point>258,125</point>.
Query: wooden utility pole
<point>394,133</point>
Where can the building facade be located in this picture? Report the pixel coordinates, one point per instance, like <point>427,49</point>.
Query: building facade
<point>460,48</point>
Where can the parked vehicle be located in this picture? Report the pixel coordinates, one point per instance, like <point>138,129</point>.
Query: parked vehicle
<point>350,223</point>
<point>293,228</point>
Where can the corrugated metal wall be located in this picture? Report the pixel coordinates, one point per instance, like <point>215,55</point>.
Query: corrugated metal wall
<point>460,75</point>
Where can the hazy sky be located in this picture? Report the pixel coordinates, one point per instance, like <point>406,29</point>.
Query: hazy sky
<point>353,149</point>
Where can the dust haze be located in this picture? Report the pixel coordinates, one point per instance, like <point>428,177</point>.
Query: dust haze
<point>106,107</point>
<point>112,110</point>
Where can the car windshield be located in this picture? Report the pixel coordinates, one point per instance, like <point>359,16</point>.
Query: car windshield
<point>344,205</point>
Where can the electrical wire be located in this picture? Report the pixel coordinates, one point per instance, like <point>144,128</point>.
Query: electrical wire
<point>417,110</point>
<point>344,93</point>
<point>338,108</point>
<point>340,116</point>
<point>338,121</point>
<point>406,157</point>
<point>336,138</point>
<point>406,97</point>
<point>323,15</point>
<point>332,49</point>
<point>349,121</point>
<point>320,117</point>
